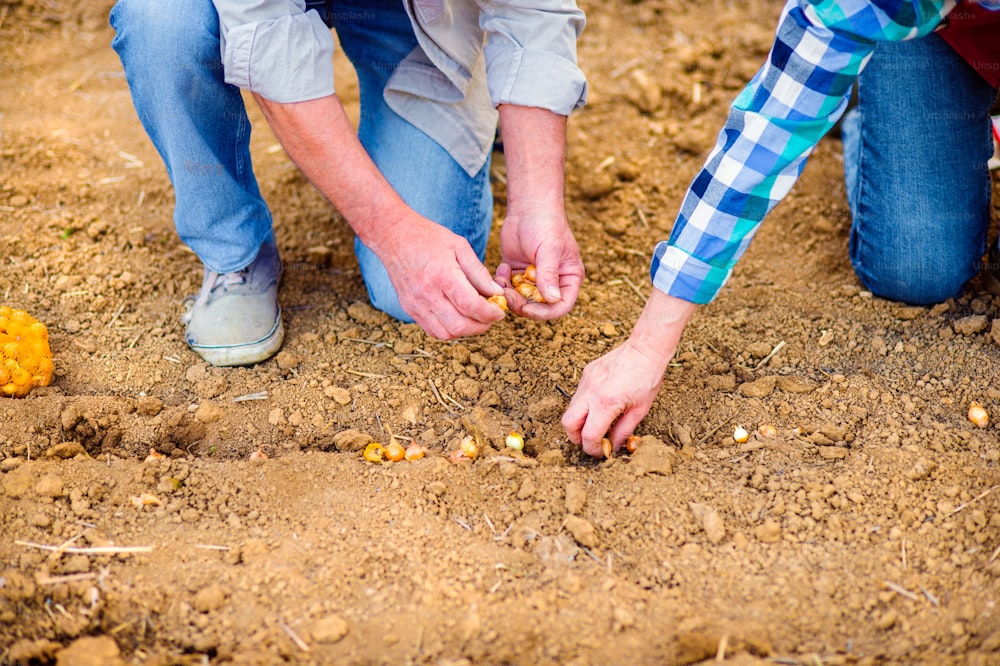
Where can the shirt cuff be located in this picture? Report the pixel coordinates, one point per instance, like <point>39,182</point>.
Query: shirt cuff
<point>535,78</point>
<point>679,274</point>
<point>287,59</point>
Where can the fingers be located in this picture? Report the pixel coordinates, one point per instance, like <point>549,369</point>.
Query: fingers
<point>570,281</point>
<point>624,426</point>
<point>462,311</point>
<point>452,303</point>
<point>447,323</point>
<point>573,419</point>
<point>586,421</point>
<point>452,312</point>
<point>615,393</point>
<point>468,295</point>
<point>547,272</point>
<point>587,428</point>
<point>469,304</point>
<point>569,290</point>
<point>478,275</point>
<point>503,275</point>
<point>598,422</point>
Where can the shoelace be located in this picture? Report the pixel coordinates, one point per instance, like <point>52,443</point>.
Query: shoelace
<point>212,282</point>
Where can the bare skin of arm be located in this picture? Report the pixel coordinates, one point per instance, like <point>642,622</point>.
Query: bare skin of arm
<point>440,281</point>
<point>617,390</point>
<point>536,230</point>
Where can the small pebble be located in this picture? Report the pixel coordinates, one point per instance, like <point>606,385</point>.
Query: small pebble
<point>210,598</point>
<point>576,497</point>
<point>582,531</point>
<point>768,532</point>
<point>50,485</point>
<point>329,629</point>
<point>887,620</point>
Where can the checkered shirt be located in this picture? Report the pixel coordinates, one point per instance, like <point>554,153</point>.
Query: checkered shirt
<point>774,124</point>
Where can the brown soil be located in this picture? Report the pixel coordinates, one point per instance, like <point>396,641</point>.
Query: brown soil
<point>866,531</point>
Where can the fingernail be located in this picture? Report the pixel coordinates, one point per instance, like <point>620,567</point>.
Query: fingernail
<point>552,294</point>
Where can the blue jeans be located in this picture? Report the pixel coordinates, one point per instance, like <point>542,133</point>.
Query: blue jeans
<point>915,162</point>
<point>198,123</point>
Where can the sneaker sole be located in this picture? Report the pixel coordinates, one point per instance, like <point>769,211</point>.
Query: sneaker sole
<point>245,354</point>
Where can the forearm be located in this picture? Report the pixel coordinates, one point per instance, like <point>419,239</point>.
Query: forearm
<point>321,141</point>
<point>658,330</point>
<point>535,152</point>
<point>773,126</point>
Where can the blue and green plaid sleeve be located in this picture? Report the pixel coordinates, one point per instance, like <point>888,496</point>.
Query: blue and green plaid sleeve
<point>774,124</point>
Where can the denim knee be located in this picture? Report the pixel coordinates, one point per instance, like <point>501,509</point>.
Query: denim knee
<point>381,291</point>
<point>162,42</point>
<point>383,297</point>
<point>919,189</point>
<point>916,285</point>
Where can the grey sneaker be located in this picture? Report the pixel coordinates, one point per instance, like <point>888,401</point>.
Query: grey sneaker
<point>235,319</point>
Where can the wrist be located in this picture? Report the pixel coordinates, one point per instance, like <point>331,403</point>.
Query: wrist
<point>534,150</point>
<point>659,327</point>
<point>379,225</point>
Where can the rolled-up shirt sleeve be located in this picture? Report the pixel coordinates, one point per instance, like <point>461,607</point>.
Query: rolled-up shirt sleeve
<point>276,49</point>
<point>530,54</point>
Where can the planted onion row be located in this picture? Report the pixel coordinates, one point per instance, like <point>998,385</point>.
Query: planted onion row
<point>468,449</point>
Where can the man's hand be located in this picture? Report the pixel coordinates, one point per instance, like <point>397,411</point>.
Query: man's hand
<point>536,230</point>
<point>617,390</point>
<point>440,281</point>
<point>548,243</point>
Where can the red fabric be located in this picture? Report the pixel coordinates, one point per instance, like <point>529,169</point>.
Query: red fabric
<point>974,33</point>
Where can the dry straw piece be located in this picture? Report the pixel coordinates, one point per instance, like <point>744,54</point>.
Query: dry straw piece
<point>25,357</point>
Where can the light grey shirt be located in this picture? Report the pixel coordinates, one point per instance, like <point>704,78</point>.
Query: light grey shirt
<point>473,55</point>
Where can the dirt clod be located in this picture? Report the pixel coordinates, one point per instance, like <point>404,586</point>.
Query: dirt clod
<point>576,497</point>
<point>709,520</point>
<point>90,651</point>
<point>50,485</point>
<point>329,629</point>
<point>65,450</point>
<point>583,531</point>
